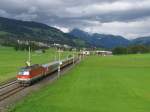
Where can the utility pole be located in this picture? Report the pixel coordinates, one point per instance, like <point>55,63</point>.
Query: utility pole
<point>29,56</point>
<point>59,62</point>
<point>73,57</point>
<point>59,54</point>
<point>74,51</point>
<point>55,53</point>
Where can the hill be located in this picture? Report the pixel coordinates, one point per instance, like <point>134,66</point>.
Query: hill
<point>142,41</point>
<point>11,29</point>
<point>100,40</point>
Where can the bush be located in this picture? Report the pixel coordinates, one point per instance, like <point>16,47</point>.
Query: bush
<point>120,50</point>
<point>131,49</point>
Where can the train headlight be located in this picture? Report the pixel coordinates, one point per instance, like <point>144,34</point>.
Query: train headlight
<point>20,73</point>
<point>60,62</point>
<point>26,73</point>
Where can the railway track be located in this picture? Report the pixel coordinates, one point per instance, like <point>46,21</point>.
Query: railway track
<point>12,92</point>
<point>8,84</point>
<point>9,89</point>
<point>12,87</point>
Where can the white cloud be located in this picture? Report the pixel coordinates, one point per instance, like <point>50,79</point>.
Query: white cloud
<point>102,8</point>
<point>62,29</point>
<point>3,13</point>
<point>120,17</point>
<point>26,17</point>
<point>32,9</point>
<point>128,29</point>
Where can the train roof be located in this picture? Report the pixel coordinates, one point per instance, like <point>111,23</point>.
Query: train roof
<point>31,67</point>
<point>67,59</point>
<point>49,64</point>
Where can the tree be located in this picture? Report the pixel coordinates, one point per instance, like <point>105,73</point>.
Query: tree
<point>138,49</point>
<point>120,50</point>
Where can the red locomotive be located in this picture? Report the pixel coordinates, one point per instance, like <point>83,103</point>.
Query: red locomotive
<point>30,74</point>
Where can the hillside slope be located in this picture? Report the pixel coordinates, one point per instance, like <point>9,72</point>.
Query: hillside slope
<point>141,41</point>
<point>100,40</point>
<point>11,29</point>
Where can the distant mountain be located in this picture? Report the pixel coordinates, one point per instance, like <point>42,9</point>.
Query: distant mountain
<point>100,40</point>
<point>141,41</point>
<point>79,33</point>
<point>11,29</point>
<point>109,41</point>
<point>82,36</point>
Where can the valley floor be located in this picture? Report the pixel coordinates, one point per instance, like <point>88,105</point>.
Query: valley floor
<point>97,84</point>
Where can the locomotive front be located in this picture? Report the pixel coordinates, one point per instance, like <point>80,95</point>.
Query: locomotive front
<point>24,76</point>
<point>30,74</point>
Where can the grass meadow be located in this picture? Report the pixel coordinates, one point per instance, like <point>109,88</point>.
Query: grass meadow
<point>11,61</point>
<point>97,84</point>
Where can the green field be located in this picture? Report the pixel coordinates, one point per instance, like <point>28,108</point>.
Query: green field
<point>11,60</point>
<point>97,84</point>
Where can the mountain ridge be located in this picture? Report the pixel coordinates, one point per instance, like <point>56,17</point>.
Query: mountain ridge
<point>109,40</point>
<point>100,40</point>
<point>11,29</point>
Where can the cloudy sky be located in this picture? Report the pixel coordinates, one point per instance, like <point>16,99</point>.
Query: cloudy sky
<point>129,18</point>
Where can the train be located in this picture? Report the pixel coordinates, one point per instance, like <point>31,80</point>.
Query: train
<point>30,74</point>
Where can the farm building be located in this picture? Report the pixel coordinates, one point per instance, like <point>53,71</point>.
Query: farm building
<point>84,53</point>
<point>103,53</point>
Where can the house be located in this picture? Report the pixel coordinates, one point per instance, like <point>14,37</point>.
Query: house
<point>103,53</point>
<point>85,53</point>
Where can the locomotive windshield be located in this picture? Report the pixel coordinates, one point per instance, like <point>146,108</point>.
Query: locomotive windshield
<point>24,72</point>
